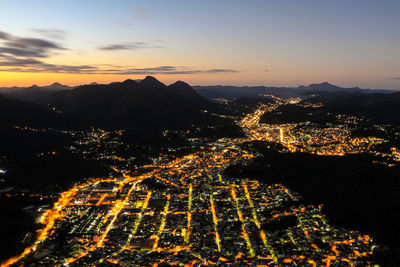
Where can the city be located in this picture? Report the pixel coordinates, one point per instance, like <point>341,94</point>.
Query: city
<point>187,212</point>
<point>199,133</point>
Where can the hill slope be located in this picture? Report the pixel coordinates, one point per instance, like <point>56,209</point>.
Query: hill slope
<point>16,112</point>
<point>378,108</point>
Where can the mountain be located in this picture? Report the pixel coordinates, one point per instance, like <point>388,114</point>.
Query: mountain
<point>185,90</point>
<point>147,104</point>
<point>327,87</point>
<point>34,93</point>
<point>57,86</point>
<point>322,89</point>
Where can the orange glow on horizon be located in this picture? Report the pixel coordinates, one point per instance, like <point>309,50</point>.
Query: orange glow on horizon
<point>242,78</point>
<point>24,79</point>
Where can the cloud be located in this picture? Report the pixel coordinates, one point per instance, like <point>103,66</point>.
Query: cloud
<point>394,78</point>
<point>221,71</point>
<point>5,36</point>
<point>172,70</point>
<point>26,47</point>
<point>19,54</point>
<point>159,70</point>
<point>51,33</point>
<point>12,64</point>
<point>11,61</point>
<point>23,52</point>
<point>266,70</point>
<point>128,46</point>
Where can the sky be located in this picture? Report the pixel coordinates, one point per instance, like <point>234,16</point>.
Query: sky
<point>204,42</point>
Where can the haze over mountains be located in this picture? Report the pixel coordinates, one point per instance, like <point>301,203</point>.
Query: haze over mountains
<point>54,86</point>
<point>33,93</point>
<point>325,88</point>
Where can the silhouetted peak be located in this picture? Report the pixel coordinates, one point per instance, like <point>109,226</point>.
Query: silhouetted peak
<point>322,84</point>
<point>93,83</point>
<point>150,81</point>
<point>180,84</point>
<point>325,86</point>
<point>56,84</point>
<point>129,81</point>
<point>184,89</point>
<point>148,77</point>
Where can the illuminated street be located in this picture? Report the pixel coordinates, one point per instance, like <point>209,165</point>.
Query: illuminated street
<point>192,214</point>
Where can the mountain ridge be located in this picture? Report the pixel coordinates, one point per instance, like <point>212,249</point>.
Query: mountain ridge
<point>324,88</point>
<point>33,93</point>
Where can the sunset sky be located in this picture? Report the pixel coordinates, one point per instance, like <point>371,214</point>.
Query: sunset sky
<point>204,42</point>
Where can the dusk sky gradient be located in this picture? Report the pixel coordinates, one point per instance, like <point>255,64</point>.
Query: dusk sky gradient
<point>205,42</point>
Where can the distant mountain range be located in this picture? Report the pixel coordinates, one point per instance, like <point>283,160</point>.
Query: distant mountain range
<point>54,86</point>
<point>149,105</point>
<point>33,93</point>
<point>322,89</point>
<point>41,94</point>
